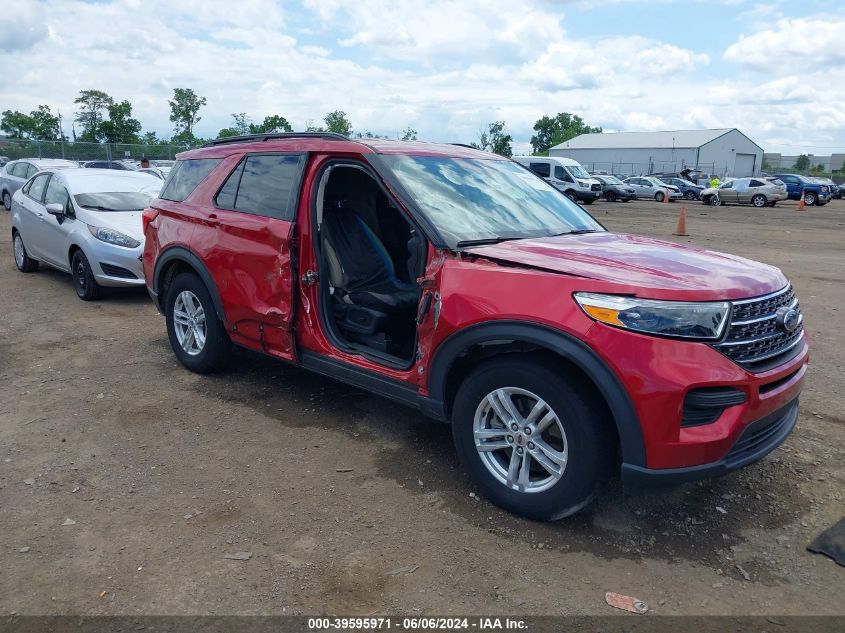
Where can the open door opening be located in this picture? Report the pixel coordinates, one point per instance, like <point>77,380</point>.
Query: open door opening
<point>370,259</point>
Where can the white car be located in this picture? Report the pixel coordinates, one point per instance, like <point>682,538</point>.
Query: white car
<point>86,222</point>
<point>651,187</point>
<point>15,173</point>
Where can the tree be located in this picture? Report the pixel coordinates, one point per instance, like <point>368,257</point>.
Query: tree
<point>121,127</point>
<point>494,139</point>
<point>337,121</point>
<point>45,125</point>
<point>241,123</point>
<point>803,163</point>
<point>554,130</point>
<point>226,132</point>
<point>90,115</point>
<point>409,134</point>
<point>184,108</point>
<point>16,124</point>
<point>271,124</point>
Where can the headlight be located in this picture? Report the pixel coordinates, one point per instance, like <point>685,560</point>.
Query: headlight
<point>113,237</point>
<point>583,183</point>
<point>702,321</point>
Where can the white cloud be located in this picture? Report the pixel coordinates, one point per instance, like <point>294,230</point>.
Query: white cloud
<point>792,43</point>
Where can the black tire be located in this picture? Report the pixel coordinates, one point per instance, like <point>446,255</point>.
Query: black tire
<point>572,195</point>
<point>810,198</point>
<point>7,201</point>
<point>610,196</point>
<point>627,199</point>
<point>690,195</point>
<point>771,204</point>
<point>589,201</point>
<point>589,439</point>
<point>24,262</point>
<point>84,283</point>
<point>217,348</point>
<point>759,201</point>
<point>713,201</point>
<point>659,196</point>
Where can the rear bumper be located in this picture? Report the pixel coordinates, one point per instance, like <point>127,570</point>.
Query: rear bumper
<point>757,440</point>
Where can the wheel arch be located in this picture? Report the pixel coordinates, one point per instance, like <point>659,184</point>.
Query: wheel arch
<point>175,260</point>
<point>462,351</point>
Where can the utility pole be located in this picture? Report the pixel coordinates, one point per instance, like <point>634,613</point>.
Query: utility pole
<point>61,133</point>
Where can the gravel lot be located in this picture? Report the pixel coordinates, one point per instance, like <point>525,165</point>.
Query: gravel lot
<point>125,480</point>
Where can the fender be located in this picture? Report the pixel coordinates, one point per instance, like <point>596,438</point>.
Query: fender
<point>180,253</point>
<point>567,346</point>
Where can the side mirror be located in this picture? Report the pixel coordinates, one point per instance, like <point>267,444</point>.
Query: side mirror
<point>54,208</point>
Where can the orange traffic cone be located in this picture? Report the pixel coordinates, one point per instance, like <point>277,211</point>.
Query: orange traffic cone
<point>681,229</point>
<point>666,196</point>
<point>801,202</point>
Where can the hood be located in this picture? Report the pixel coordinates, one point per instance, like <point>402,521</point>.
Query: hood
<point>127,222</point>
<point>649,267</point>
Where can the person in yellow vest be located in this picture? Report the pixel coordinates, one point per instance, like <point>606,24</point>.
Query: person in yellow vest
<point>714,182</point>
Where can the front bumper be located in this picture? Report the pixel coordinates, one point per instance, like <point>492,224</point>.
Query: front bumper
<point>117,266</point>
<point>588,195</point>
<point>757,440</point>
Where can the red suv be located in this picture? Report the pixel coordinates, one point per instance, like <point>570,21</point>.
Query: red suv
<point>460,283</point>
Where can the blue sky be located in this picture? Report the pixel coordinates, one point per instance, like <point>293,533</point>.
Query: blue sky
<point>445,67</point>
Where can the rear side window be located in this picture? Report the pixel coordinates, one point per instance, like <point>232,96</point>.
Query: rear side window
<point>541,169</point>
<point>263,184</point>
<point>755,183</point>
<point>19,170</point>
<point>31,171</point>
<point>185,176</point>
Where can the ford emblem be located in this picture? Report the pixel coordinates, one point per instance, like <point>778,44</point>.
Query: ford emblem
<point>787,319</point>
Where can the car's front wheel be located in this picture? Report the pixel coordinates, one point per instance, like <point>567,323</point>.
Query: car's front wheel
<point>610,196</point>
<point>659,196</point>
<point>7,200</point>
<point>84,283</point>
<point>23,261</point>
<point>714,201</point>
<point>572,195</point>
<point>810,198</point>
<point>197,336</point>
<point>535,443</point>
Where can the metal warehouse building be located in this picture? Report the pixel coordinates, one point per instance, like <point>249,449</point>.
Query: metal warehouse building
<point>725,152</point>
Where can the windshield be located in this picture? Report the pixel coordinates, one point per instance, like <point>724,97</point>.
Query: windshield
<point>114,201</point>
<point>611,180</point>
<point>486,199</point>
<point>578,171</point>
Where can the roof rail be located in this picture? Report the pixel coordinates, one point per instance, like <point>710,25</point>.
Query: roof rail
<point>253,138</point>
<point>465,145</point>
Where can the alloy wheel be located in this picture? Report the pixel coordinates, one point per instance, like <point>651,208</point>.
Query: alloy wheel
<point>759,201</point>
<point>20,252</point>
<point>715,201</point>
<point>520,440</point>
<point>189,323</point>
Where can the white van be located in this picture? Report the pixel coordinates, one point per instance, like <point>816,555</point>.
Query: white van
<point>565,174</point>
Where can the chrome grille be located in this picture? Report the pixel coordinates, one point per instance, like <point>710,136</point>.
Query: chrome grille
<point>754,339</point>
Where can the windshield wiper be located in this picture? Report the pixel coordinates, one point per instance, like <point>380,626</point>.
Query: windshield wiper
<point>484,241</point>
<point>577,232</point>
<point>85,206</point>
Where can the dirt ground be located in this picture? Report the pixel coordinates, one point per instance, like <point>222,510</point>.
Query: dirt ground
<point>125,480</point>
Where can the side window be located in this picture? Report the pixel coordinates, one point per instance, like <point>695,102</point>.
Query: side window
<point>727,185</point>
<point>263,185</point>
<point>56,193</point>
<point>31,171</point>
<point>755,183</point>
<point>36,189</point>
<point>19,170</point>
<point>185,176</point>
<point>541,169</point>
<point>559,173</point>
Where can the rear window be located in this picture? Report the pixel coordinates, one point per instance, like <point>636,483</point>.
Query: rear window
<point>263,184</point>
<point>185,176</point>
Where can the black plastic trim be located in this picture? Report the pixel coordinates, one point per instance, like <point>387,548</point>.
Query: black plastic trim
<point>637,478</point>
<point>372,382</point>
<point>180,253</point>
<point>567,346</point>
<point>253,138</point>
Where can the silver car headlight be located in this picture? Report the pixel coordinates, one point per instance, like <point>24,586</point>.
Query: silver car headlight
<point>703,321</point>
<point>110,236</point>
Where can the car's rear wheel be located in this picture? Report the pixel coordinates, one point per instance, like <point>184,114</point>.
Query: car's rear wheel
<point>84,283</point>
<point>659,196</point>
<point>610,196</point>
<point>7,200</point>
<point>197,336</point>
<point>810,198</point>
<point>759,201</point>
<point>23,261</point>
<point>535,443</point>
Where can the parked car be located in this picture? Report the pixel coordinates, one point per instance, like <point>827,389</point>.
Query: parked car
<point>651,187</point>
<point>814,193</point>
<point>86,222</point>
<point>15,173</point>
<point>689,190</point>
<point>835,190</point>
<point>565,175</point>
<point>614,189</point>
<point>108,164</point>
<point>457,282</point>
<point>758,192</point>
<point>153,171</point>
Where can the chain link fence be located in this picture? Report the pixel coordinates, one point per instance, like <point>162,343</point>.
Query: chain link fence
<point>29,148</point>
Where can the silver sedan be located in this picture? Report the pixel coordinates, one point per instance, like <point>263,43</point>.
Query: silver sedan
<point>86,222</point>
